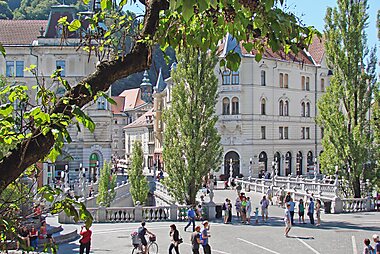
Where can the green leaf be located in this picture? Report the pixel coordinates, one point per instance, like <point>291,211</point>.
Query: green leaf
<point>188,9</point>
<point>63,21</point>
<point>269,4</point>
<point>248,46</point>
<point>106,4</point>
<point>74,25</point>
<point>6,110</point>
<point>2,50</point>
<point>258,57</point>
<point>84,119</point>
<point>123,2</point>
<point>85,1</point>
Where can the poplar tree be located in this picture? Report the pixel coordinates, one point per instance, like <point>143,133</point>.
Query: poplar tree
<point>344,108</point>
<point>107,184</point>
<point>139,184</point>
<point>191,142</point>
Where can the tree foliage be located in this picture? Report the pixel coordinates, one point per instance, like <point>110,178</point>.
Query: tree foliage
<point>5,11</point>
<point>40,9</point>
<point>191,142</point>
<point>139,185</point>
<point>178,23</point>
<point>343,109</point>
<point>107,184</point>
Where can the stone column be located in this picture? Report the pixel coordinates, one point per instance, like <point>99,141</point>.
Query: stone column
<point>337,205</point>
<point>102,214</point>
<point>138,212</point>
<point>173,212</point>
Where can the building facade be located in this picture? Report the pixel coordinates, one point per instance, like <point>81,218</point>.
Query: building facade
<point>267,112</point>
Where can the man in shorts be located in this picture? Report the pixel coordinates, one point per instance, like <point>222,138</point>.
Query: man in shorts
<point>287,220</point>
<point>142,231</point>
<point>264,208</point>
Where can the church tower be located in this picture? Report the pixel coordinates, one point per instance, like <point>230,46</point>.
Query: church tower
<point>146,88</point>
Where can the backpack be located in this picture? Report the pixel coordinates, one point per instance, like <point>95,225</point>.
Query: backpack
<point>224,207</point>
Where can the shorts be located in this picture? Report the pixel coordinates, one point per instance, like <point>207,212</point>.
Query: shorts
<point>264,211</point>
<point>301,214</point>
<point>143,241</point>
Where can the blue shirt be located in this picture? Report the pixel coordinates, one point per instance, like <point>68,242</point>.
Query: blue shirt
<point>311,207</point>
<point>191,213</point>
<point>204,233</point>
<point>292,205</point>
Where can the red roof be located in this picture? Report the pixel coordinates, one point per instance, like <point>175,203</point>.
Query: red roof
<point>317,50</point>
<point>132,99</point>
<point>144,120</point>
<point>20,32</point>
<point>118,108</point>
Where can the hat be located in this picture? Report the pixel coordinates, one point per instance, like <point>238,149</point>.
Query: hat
<point>375,236</point>
<point>205,222</point>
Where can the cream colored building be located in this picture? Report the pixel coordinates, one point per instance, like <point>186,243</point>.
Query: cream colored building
<point>267,111</point>
<point>38,42</point>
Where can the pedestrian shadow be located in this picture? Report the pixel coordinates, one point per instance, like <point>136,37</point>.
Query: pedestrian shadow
<point>301,237</point>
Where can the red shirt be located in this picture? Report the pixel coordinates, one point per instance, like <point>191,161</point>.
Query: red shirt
<point>86,235</point>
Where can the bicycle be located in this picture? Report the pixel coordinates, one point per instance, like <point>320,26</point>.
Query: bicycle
<point>138,247</point>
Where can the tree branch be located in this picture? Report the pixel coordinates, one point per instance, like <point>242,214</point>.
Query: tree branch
<point>34,150</point>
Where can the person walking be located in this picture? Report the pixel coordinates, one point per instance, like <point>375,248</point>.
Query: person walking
<point>174,238</point>
<point>249,210</point>
<point>244,210</point>
<point>229,210</point>
<point>196,240</point>
<point>318,212</point>
<point>238,207</point>
<point>264,208</point>
<point>204,238</point>
<point>225,212</point>
<point>377,243</point>
<point>85,241</point>
<point>301,211</point>
<point>287,220</point>
<point>310,211</point>
<point>291,210</point>
<point>191,218</point>
<point>368,249</point>
<point>33,236</point>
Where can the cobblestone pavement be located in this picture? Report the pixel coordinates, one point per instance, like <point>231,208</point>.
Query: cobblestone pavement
<point>343,233</point>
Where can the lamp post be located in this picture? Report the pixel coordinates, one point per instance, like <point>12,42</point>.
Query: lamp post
<point>96,171</point>
<point>315,167</point>
<point>231,173</point>
<point>250,169</point>
<point>63,185</point>
<point>67,175</point>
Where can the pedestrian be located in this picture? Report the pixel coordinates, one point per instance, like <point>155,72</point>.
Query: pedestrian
<point>238,207</point>
<point>238,188</point>
<point>199,212</point>
<point>23,235</point>
<point>318,212</point>
<point>249,209</point>
<point>269,195</point>
<point>204,238</point>
<point>368,249</point>
<point>257,215</point>
<point>229,211</point>
<point>43,230</point>
<point>174,238</point>
<point>287,198</point>
<point>85,241</point>
<point>196,240</point>
<point>291,210</point>
<point>310,211</point>
<point>33,236</point>
<point>224,211</point>
<point>377,243</point>
<point>244,210</point>
<point>264,208</point>
<point>287,220</point>
<point>301,211</point>
<point>191,218</point>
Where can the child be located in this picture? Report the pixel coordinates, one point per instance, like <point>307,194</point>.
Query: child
<point>257,215</point>
<point>368,249</point>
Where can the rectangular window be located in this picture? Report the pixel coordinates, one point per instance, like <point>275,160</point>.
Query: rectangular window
<point>61,64</point>
<point>226,76</point>
<point>286,80</point>
<point>10,69</point>
<point>281,132</point>
<point>303,133</point>
<point>307,84</point>
<point>303,83</point>
<point>263,81</point>
<point>307,133</point>
<point>235,78</point>
<point>262,132</point>
<point>281,80</point>
<point>19,68</point>
<point>322,85</point>
<point>286,132</point>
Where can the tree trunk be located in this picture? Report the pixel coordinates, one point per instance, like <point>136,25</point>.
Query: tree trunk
<point>356,186</point>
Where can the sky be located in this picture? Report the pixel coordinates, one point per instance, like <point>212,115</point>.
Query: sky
<point>313,12</point>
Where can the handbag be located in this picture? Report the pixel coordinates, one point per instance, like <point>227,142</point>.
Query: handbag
<point>180,240</point>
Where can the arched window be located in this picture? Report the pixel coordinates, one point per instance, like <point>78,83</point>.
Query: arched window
<point>235,106</point>
<point>226,77</point>
<point>263,106</point>
<point>303,83</point>
<point>226,106</point>
<point>286,108</point>
<point>303,109</point>
<point>281,80</point>
<point>263,81</point>
<point>322,84</point>
<point>281,108</point>
<point>308,109</point>
<point>286,80</point>
<point>235,78</point>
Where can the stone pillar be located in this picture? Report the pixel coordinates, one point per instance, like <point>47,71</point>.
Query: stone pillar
<point>173,212</point>
<point>210,208</point>
<point>138,212</point>
<point>337,205</point>
<point>102,214</point>
<point>368,204</point>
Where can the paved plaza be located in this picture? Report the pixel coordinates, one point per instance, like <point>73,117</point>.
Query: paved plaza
<point>343,233</point>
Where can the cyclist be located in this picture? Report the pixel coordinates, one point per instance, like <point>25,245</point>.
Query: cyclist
<point>142,231</point>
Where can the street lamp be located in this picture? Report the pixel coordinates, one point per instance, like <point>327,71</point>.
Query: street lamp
<point>250,169</point>
<point>315,167</point>
<point>231,173</point>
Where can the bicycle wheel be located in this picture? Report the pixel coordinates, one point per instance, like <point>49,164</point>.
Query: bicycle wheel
<point>136,250</point>
<point>153,248</point>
